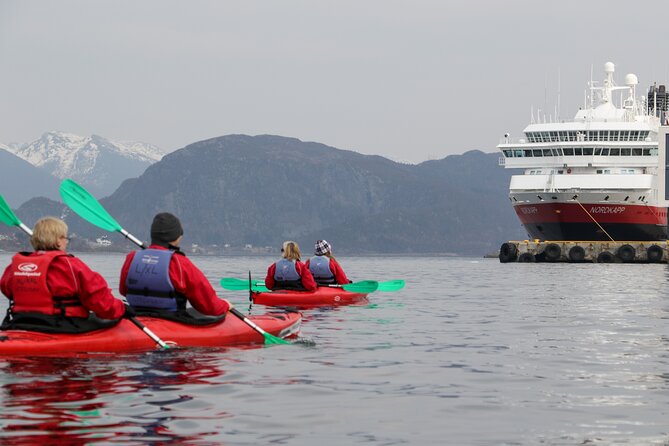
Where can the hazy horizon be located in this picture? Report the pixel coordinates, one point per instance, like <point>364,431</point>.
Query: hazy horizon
<point>410,81</point>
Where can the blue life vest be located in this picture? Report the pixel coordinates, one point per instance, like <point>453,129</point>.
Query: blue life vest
<point>320,268</point>
<point>148,281</point>
<point>286,276</point>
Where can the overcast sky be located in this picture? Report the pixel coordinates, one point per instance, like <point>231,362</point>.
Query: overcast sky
<point>410,80</point>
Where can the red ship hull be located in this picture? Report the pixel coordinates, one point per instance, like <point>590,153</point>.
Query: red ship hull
<point>583,221</point>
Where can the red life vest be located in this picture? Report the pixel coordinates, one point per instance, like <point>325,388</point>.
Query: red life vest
<point>30,292</point>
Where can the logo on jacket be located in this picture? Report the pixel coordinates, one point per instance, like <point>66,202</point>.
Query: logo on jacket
<point>27,267</point>
<point>149,259</point>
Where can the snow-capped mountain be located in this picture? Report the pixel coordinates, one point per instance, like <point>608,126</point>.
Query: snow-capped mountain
<point>93,161</point>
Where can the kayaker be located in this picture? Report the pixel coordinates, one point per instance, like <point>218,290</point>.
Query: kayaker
<point>162,278</point>
<point>52,291</point>
<point>289,273</point>
<point>324,267</point>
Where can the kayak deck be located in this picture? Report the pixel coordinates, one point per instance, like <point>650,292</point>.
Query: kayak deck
<point>126,337</point>
<point>323,296</point>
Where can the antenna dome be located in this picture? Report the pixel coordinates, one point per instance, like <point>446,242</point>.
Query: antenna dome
<point>631,80</point>
<point>609,67</point>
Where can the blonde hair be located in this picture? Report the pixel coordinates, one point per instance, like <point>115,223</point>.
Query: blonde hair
<point>291,250</point>
<point>47,233</point>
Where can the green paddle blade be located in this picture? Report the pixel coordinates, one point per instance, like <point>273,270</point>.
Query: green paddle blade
<point>86,206</point>
<point>271,339</point>
<point>391,285</point>
<point>233,284</point>
<point>7,216</point>
<point>365,286</point>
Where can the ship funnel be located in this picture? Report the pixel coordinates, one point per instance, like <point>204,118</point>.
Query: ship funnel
<point>658,101</point>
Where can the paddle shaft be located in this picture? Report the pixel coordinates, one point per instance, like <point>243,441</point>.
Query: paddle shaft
<point>132,238</point>
<point>148,332</point>
<point>249,322</point>
<point>25,229</point>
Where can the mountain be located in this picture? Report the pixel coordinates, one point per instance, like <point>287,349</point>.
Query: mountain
<point>240,190</point>
<point>20,180</point>
<point>261,190</point>
<point>95,162</point>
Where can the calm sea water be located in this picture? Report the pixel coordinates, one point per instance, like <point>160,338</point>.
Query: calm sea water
<point>471,352</point>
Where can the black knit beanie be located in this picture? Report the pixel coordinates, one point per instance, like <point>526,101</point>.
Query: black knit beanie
<point>165,228</point>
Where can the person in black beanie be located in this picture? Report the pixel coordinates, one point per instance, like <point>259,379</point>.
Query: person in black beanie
<point>162,278</point>
<point>165,229</point>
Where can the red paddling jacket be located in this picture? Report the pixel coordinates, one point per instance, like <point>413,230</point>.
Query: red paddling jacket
<point>55,283</point>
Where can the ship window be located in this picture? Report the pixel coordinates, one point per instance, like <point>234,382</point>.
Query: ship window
<point>607,170</point>
<point>560,172</point>
<point>636,152</point>
<point>568,151</point>
<point>536,152</point>
<point>556,151</point>
<point>598,150</point>
<point>554,136</point>
<point>578,151</point>
<point>605,151</point>
<point>615,152</point>
<point>599,170</point>
<point>507,153</point>
<point>527,153</point>
<point>646,152</point>
<point>587,150</point>
<point>547,152</point>
<point>625,136</point>
<point>615,134</point>
<point>634,136</point>
<point>625,152</point>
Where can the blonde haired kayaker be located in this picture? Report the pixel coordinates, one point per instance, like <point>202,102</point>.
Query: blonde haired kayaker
<point>289,273</point>
<point>324,267</point>
<point>162,278</point>
<point>53,291</point>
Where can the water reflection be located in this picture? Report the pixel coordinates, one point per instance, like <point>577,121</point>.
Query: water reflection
<point>99,399</point>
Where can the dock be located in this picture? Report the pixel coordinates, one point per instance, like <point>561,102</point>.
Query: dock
<point>530,251</point>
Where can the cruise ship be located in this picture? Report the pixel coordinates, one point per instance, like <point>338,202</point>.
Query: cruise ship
<point>594,177</point>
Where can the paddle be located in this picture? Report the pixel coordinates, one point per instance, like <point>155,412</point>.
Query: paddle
<point>391,285</point>
<point>231,283</point>
<point>88,208</point>
<point>8,217</point>
<point>148,332</point>
<point>364,286</point>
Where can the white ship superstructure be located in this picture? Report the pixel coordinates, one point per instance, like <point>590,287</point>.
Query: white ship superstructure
<point>594,177</point>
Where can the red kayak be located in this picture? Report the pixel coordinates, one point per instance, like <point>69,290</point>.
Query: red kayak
<point>323,296</point>
<point>126,337</point>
